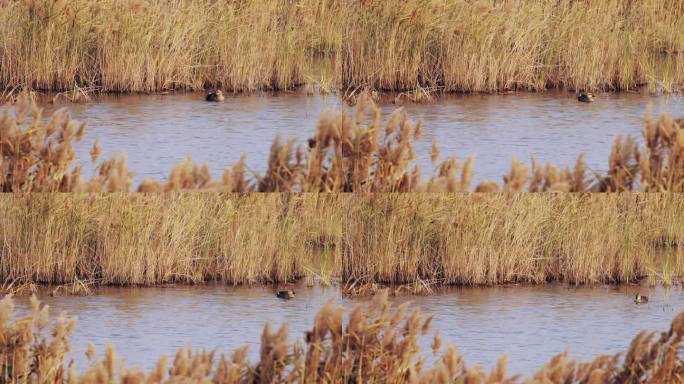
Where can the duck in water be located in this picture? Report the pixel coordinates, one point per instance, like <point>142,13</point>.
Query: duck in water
<point>215,96</point>
<point>286,295</point>
<point>585,97</point>
<point>640,299</point>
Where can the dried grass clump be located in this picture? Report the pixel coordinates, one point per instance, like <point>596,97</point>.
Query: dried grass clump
<point>86,46</point>
<point>137,239</point>
<point>27,353</point>
<point>37,154</point>
<point>377,343</point>
<point>661,163</point>
<point>500,238</point>
<point>356,153</point>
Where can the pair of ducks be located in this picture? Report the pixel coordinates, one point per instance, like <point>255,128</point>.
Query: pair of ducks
<point>290,294</point>
<point>585,97</point>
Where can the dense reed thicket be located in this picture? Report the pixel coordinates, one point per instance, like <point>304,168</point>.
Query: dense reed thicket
<point>376,343</point>
<point>384,238</point>
<point>349,152</point>
<point>455,45</point>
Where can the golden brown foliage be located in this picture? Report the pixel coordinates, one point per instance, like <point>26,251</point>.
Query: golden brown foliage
<point>37,155</point>
<point>417,45</point>
<point>415,239</point>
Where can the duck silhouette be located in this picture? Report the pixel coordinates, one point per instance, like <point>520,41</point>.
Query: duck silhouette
<point>215,96</point>
<point>640,299</point>
<point>585,97</point>
<point>286,294</point>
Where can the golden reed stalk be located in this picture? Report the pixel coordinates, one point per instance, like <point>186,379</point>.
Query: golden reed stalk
<point>420,45</point>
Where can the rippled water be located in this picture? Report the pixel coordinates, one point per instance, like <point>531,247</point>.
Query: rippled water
<point>530,323</point>
<point>158,131</point>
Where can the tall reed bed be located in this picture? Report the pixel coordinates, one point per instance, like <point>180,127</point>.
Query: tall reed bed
<point>376,343</point>
<point>172,238</point>
<point>462,45</point>
<point>386,238</point>
<point>352,151</point>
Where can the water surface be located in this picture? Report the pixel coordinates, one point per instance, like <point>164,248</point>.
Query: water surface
<point>157,131</point>
<point>530,323</point>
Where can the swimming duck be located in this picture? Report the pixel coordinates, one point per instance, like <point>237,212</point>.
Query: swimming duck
<point>640,299</point>
<point>215,96</point>
<point>289,294</point>
<point>585,97</point>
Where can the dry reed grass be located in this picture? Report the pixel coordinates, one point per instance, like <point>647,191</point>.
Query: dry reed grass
<point>377,343</point>
<point>419,240</point>
<point>462,45</point>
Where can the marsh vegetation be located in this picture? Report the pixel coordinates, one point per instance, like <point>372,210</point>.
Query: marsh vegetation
<point>63,229</point>
<point>413,239</point>
<point>420,45</point>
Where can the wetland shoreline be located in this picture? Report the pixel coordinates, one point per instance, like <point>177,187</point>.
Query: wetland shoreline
<point>418,46</point>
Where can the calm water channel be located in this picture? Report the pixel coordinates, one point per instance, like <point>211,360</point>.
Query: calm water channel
<point>157,131</point>
<point>530,323</point>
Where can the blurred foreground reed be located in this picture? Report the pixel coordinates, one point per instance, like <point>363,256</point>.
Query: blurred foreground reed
<point>376,343</point>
